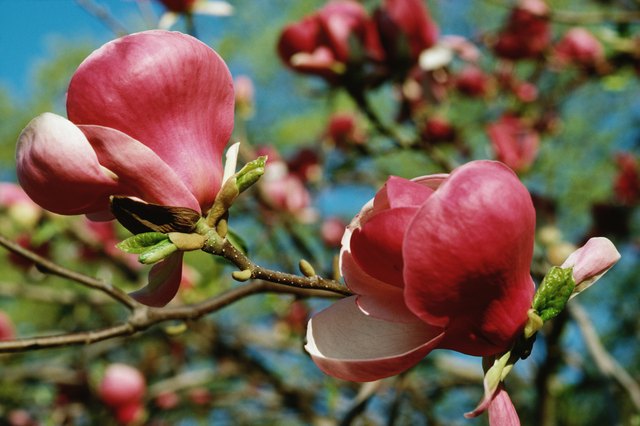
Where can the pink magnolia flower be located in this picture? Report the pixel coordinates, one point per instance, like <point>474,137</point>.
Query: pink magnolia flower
<point>514,143</point>
<point>331,231</point>
<point>149,116</point>
<point>578,46</point>
<point>438,262</point>
<point>527,32</point>
<point>122,385</point>
<point>321,43</point>
<point>406,29</point>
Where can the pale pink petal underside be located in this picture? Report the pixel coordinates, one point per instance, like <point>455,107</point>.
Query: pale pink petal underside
<point>350,345</point>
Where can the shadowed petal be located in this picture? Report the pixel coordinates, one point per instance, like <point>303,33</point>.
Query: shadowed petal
<point>164,282</point>
<point>167,90</point>
<point>472,242</point>
<point>59,169</point>
<point>375,298</point>
<point>349,345</point>
<point>139,169</point>
<point>377,246</point>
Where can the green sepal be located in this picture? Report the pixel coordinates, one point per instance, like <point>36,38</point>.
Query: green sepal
<point>250,173</point>
<point>157,252</point>
<point>141,242</point>
<point>554,292</point>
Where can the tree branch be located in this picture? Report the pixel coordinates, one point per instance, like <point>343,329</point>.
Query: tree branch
<point>606,363</point>
<point>47,266</point>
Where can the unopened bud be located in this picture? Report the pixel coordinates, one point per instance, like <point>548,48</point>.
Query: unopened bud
<point>306,268</point>
<point>243,275</point>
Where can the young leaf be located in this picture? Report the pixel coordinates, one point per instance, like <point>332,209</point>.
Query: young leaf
<point>141,242</point>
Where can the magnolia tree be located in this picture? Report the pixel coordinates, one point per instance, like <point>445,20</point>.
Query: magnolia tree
<point>397,241</point>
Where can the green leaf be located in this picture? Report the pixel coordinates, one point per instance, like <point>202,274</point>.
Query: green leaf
<point>141,242</point>
<point>554,292</point>
<point>157,252</point>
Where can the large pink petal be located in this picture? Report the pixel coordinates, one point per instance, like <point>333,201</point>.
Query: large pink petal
<point>377,245</point>
<point>467,254</point>
<point>167,90</point>
<point>164,282</point>
<point>59,169</point>
<point>140,171</point>
<point>350,345</point>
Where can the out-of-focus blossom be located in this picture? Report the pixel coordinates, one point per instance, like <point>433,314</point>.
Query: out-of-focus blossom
<point>406,30</point>
<point>305,164</point>
<point>627,182</point>
<point>343,130</point>
<point>437,130</point>
<point>527,32</point>
<point>7,330</point>
<point>156,132</point>
<point>19,207</point>
<point>462,47</point>
<point>167,400</point>
<point>525,91</point>
<point>244,91</point>
<point>332,230</point>
<point>578,46</point>
<point>122,385</point>
<point>330,41</point>
<point>200,396</point>
<point>472,81</point>
<point>514,142</point>
<point>439,262</point>
<point>175,8</point>
<point>285,192</point>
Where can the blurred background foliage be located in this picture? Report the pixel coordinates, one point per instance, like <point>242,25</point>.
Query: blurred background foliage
<point>245,364</point>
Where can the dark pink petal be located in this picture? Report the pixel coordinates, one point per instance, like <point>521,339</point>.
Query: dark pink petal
<point>350,345</point>
<point>467,254</point>
<point>59,169</point>
<point>167,90</point>
<point>377,245</point>
<point>140,171</point>
<point>164,282</point>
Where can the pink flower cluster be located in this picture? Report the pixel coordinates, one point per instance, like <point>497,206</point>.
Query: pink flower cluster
<point>342,38</point>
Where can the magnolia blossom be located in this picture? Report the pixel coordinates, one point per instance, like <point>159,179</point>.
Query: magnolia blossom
<point>149,115</point>
<point>122,388</point>
<point>406,29</point>
<point>322,43</point>
<point>343,130</point>
<point>7,329</point>
<point>527,32</point>
<point>578,46</point>
<point>514,143</point>
<point>438,262</point>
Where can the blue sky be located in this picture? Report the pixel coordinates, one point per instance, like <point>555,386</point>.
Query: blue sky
<point>29,27</point>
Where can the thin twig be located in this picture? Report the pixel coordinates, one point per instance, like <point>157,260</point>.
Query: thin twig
<point>231,253</point>
<point>103,15</point>
<point>49,267</point>
<point>606,363</point>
